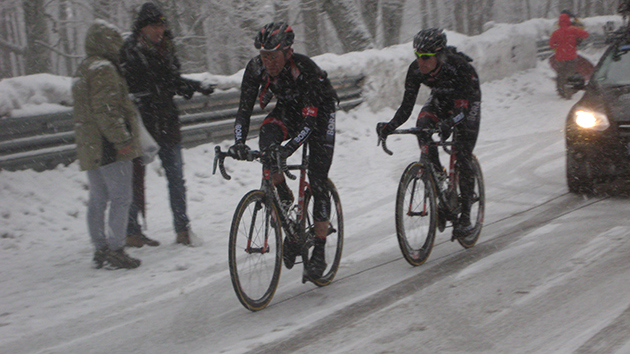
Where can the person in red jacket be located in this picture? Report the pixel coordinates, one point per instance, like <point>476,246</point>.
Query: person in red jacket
<point>564,42</point>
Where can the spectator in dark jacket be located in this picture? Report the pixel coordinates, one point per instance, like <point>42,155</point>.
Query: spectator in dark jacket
<point>153,74</point>
<point>564,41</point>
<point>106,131</point>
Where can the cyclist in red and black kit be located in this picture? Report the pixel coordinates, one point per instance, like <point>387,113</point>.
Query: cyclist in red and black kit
<point>304,112</point>
<point>454,107</point>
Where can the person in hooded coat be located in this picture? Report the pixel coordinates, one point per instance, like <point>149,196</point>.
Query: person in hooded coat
<point>564,42</point>
<point>106,132</point>
<point>152,71</point>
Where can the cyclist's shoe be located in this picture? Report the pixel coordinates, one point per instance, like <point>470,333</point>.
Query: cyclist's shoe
<point>462,228</point>
<point>441,219</point>
<point>317,263</point>
<point>285,194</point>
<point>289,252</point>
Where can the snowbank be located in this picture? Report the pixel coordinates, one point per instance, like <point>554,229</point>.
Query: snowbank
<point>501,51</point>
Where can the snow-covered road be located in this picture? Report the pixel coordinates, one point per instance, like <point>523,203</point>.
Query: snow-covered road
<point>549,274</point>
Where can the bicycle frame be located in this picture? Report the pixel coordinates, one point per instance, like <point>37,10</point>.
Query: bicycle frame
<point>448,147</point>
<point>289,225</point>
<point>443,194</point>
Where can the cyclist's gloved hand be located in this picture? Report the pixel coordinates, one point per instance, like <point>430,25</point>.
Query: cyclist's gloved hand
<point>239,151</point>
<point>446,128</point>
<point>206,89</point>
<point>281,152</point>
<point>383,130</point>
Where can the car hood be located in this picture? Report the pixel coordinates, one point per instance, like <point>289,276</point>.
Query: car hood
<point>612,100</point>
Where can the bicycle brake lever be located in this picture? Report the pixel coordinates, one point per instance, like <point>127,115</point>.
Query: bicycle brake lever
<point>387,151</point>
<point>219,158</point>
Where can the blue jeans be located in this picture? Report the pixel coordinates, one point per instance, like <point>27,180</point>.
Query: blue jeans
<point>109,184</point>
<point>173,165</point>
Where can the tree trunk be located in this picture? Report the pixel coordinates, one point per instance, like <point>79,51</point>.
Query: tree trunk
<point>369,9</point>
<point>5,55</point>
<point>37,56</point>
<point>392,21</point>
<point>281,10</point>
<point>250,20</point>
<point>435,15</point>
<point>424,14</point>
<point>347,20</point>
<point>310,15</point>
<point>102,9</point>
<point>64,37</point>
<point>458,17</point>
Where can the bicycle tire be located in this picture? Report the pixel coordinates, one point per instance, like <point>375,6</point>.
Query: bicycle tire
<point>477,210</point>
<point>416,214</point>
<point>334,240</point>
<point>255,250</point>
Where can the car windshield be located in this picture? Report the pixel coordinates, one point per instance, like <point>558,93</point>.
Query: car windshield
<point>615,69</point>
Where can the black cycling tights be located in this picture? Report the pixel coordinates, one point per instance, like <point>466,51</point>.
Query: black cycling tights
<point>320,159</point>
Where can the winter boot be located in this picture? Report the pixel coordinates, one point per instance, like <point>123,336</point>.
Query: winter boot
<point>140,240</point>
<point>183,237</point>
<point>100,256</point>
<point>317,263</point>
<point>118,259</point>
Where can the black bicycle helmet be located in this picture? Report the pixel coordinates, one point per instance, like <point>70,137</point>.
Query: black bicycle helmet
<point>274,36</point>
<point>432,40</point>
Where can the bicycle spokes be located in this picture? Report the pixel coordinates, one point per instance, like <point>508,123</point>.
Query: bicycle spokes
<point>423,206</point>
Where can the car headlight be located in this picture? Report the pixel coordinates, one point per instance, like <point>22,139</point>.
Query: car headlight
<point>591,120</point>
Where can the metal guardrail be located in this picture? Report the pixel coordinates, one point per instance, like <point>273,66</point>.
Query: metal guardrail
<point>45,141</point>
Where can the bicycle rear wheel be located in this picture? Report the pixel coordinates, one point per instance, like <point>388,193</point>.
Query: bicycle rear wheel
<point>334,240</point>
<point>478,207</point>
<point>416,214</point>
<point>255,250</point>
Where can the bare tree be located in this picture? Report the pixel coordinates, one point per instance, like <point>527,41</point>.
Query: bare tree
<point>392,21</point>
<point>351,30</point>
<point>36,54</point>
<point>369,10</point>
<point>281,10</point>
<point>103,9</point>
<point>458,16</point>
<point>310,15</point>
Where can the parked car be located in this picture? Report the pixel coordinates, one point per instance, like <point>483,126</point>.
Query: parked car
<point>598,125</point>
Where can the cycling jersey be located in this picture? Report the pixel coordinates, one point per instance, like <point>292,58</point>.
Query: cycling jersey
<point>455,91</point>
<point>304,111</point>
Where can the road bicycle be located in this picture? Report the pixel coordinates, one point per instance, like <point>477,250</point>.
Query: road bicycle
<point>428,199</point>
<point>255,243</point>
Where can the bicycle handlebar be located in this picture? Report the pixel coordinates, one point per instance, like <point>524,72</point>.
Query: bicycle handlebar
<point>219,160</point>
<point>414,131</point>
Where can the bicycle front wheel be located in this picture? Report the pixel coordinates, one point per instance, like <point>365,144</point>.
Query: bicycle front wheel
<point>334,240</point>
<point>255,250</point>
<point>416,214</point>
<point>478,205</point>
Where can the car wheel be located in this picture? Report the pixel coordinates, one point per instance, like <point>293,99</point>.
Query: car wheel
<point>578,180</point>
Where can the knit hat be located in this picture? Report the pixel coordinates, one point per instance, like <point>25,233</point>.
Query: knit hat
<point>149,14</point>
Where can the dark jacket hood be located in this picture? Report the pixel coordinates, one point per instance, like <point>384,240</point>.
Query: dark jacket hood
<point>149,14</point>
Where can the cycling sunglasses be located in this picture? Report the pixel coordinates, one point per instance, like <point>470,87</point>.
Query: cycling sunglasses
<point>424,56</point>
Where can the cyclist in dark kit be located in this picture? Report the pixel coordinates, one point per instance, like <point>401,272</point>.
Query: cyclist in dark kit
<point>304,112</point>
<point>453,107</point>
